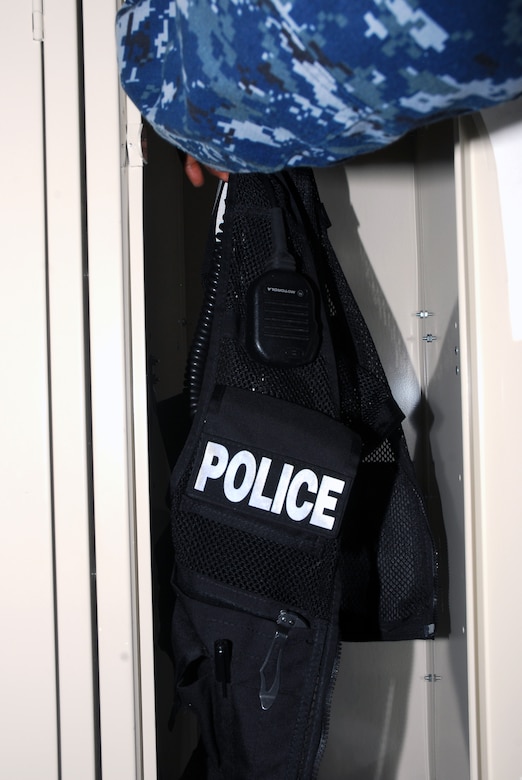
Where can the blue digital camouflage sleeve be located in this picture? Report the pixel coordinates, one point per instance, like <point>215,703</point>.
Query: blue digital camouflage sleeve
<point>259,85</point>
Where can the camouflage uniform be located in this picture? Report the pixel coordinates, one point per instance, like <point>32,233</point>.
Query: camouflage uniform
<point>259,85</point>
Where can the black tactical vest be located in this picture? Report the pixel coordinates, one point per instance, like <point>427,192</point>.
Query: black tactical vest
<point>297,521</point>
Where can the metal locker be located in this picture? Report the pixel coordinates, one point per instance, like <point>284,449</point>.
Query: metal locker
<point>429,235</point>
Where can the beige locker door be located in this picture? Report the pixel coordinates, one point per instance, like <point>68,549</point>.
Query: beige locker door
<point>77,670</point>
<point>489,194</point>
<point>68,380</point>
<point>114,245</point>
<point>28,706</point>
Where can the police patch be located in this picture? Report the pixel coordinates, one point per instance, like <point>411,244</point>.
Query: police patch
<point>271,461</point>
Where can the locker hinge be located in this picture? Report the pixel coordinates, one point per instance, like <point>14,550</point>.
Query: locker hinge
<point>423,314</point>
<point>38,21</point>
<point>432,677</point>
<point>429,337</point>
<point>133,141</point>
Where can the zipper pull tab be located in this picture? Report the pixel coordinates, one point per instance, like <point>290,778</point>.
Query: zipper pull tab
<point>285,622</point>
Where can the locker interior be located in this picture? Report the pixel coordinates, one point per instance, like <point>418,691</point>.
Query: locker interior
<point>399,709</point>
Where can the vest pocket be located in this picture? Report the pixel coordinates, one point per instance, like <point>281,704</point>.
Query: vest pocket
<point>248,673</point>
<point>193,674</point>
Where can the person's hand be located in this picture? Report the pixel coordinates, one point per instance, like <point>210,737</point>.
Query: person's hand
<point>194,171</point>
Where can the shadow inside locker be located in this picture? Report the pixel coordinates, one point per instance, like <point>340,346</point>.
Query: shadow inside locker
<point>176,219</point>
<point>372,699</point>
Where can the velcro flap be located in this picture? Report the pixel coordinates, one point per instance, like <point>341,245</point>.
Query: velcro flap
<point>271,461</point>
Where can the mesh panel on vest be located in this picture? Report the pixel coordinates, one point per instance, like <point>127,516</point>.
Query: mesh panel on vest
<point>307,386</point>
<point>300,578</point>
